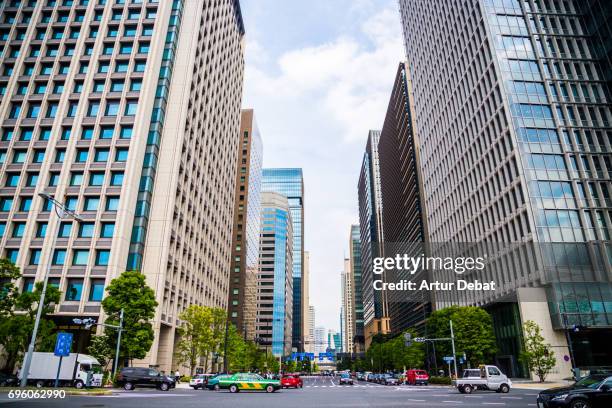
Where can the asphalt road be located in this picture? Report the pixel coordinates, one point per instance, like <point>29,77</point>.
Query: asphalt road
<point>318,392</point>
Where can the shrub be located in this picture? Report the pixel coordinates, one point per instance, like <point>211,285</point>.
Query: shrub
<point>185,378</point>
<point>440,380</point>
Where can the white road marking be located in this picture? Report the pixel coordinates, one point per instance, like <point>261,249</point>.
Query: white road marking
<point>515,398</point>
<point>493,403</point>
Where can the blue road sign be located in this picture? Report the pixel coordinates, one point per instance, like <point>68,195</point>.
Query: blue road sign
<point>448,359</point>
<point>63,344</point>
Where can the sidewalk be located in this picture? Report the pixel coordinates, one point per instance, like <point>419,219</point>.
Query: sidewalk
<point>521,383</point>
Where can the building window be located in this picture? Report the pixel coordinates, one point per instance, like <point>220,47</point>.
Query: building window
<point>102,257</point>
<point>64,230</point>
<point>41,230</point>
<point>121,155</point>
<point>112,203</point>
<point>74,290</point>
<point>80,257</point>
<point>12,254</point>
<point>35,256</point>
<point>91,204</point>
<point>28,285</point>
<point>101,155</point>
<point>107,230</point>
<point>116,178</point>
<point>18,229</point>
<point>96,179</point>
<point>59,257</point>
<point>86,229</point>
<point>96,290</point>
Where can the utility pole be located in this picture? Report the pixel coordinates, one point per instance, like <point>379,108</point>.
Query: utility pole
<point>120,328</point>
<point>453,344</point>
<point>62,212</point>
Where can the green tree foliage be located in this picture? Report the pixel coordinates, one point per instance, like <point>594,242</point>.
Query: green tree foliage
<point>16,328</point>
<point>473,329</point>
<point>194,334</point>
<point>130,293</point>
<point>99,347</point>
<point>537,354</point>
<point>9,273</point>
<point>392,354</point>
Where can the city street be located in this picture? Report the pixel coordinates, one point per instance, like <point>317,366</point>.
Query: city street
<point>317,392</point>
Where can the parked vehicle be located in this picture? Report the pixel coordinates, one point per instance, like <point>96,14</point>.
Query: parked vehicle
<point>366,375</point>
<point>593,391</point>
<point>8,380</point>
<point>77,370</point>
<point>416,377</point>
<point>490,378</point>
<point>391,379</point>
<point>213,382</point>
<point>130,377</point>
<point>199,381</point>
<point>291,381</point>
<point>360,376</point>
<point>345,378</point>
<point>248,381</point>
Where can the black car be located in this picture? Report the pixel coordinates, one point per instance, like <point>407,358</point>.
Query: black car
<point>593,391</point>
<point>130,377</point>
<point>8,380</point>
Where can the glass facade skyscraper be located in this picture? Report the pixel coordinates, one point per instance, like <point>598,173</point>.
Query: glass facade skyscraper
<point>290,183</point>
<point>274,281</point>
<point>514,95</point>
<point>357,301</point>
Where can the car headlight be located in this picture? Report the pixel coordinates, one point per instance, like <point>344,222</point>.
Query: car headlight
<point>560,397</point>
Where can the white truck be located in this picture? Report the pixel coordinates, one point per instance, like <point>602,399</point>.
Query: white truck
<point>75,370</point>
<point>485,377</point>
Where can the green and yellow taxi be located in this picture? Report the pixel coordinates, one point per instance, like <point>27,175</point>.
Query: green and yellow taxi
<point>248,382</point>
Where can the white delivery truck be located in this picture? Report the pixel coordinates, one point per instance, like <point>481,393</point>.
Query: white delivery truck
<point>76,370</point>
<point>486,377</point>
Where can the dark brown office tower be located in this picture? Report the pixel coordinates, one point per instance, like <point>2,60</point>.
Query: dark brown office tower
<point>242,298</point>
<point>403,220</point>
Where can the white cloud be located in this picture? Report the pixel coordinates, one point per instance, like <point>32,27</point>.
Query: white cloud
<point>351,77</point>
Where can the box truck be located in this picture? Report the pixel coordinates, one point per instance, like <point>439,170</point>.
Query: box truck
<point>77,370</point>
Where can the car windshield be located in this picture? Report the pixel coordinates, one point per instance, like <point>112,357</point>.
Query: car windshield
<point>345,375</point>
<point>590,381</point>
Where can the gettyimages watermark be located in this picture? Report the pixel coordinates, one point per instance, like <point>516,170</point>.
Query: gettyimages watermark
<point>490,272</point>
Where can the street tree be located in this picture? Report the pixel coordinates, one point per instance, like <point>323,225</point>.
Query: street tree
<point>195,321</point>
<point>9,292</point>
<point>99,347</point>
<point>130,292</point>
<point>16,328</point>
<point>537,354</point>
<point>473,330</point>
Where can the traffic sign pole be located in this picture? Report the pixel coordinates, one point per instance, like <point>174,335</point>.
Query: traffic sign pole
<point>59,367</point>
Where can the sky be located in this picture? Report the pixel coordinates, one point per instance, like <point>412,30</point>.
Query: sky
<point>319,74</point>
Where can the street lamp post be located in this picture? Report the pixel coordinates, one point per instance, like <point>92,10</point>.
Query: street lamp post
<point>62,213</point>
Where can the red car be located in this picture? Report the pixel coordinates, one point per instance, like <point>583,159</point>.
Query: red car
<point>415,377</point>
<point>291,381</point>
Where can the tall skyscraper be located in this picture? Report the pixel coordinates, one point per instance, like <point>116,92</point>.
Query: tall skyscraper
<point>320,341</point>
<point>333,341</point>
<point>357,302</point>
<point>274,280</point>
<point>375,311</point>
<point>245,237</point>
<point>402,216</point>
<point>348,308</point>
<point>129,113</point>
<point>306,298</point>
<point>521,116</point>
<point>310,340</point>
<point>290,183</point>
